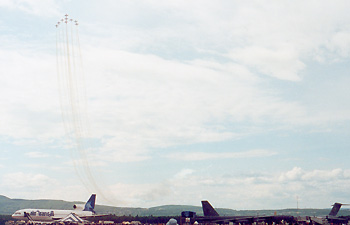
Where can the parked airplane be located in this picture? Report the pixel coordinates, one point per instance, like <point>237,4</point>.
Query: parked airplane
<point>212,216</point>
<point>332,216</point>
<point>79,212</point>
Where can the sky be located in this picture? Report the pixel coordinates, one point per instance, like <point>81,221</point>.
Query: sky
<point>242,103</point>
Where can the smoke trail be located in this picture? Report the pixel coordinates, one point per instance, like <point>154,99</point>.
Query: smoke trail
<point>73,99</point>
<point>63,77</point>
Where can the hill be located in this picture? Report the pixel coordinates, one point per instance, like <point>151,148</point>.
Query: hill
<point>9,206</point>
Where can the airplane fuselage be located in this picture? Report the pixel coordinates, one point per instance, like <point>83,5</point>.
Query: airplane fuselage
<point>48,214</point>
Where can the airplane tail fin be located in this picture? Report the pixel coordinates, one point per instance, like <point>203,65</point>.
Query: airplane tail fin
<point>335,209</point>
<point>208,210</point>
<point>90,204</point>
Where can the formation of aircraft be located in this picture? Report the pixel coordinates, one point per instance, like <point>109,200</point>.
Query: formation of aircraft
<point>79,213</point>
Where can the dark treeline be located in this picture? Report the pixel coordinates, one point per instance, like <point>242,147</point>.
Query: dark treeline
<point>4,218</point>
<point>143,219</point>
<point>117,219</point>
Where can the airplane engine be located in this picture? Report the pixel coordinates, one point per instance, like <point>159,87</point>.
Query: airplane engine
<point>79,207</point>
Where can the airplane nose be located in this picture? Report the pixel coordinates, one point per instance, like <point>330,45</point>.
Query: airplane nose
<point>16,215</point>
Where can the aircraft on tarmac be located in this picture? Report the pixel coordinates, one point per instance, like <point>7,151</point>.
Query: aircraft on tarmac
<point>212,216</point>
<point>78,214</point>
<point>332,216</point>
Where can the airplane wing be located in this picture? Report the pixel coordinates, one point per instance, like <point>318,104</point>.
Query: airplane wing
<point>72,218</point>
<point>243,219</point>
<point>329,220</point>
<point>317,220</point>
<point>94,215</point>
<point>234,219</point>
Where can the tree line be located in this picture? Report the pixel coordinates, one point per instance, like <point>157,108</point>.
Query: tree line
<point>143,219</point>
<point>117,219</point>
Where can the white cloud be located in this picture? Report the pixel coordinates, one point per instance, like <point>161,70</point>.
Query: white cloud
<point>136,84</point>
<point>293,174</point>
<point>282,63</point>
<point>163,74</point>
<point>47,8</point>
<point>28,92</point>
<point>145,101</point>
<point>37,155</point>
<point>20,180</point>
<point>183,173</point>
<point>298,174</point>
<point>340,44</point>
<point>324,175</point>
<point>195,156</point>
<point>123,148</point>
<point>147,195</point>
<point>249,191</point>
<point>82,159</point>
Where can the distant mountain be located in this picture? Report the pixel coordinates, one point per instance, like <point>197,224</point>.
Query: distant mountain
<point>9,206</point>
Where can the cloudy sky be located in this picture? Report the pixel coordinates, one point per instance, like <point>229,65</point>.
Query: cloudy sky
<point>243,103</point>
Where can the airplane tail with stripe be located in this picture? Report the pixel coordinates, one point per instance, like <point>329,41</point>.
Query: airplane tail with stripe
<point>90,204</point>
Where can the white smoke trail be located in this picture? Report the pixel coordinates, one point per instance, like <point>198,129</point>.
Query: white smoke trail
<point>73,100</point>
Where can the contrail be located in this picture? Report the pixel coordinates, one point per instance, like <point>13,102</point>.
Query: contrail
<point>73,99</point>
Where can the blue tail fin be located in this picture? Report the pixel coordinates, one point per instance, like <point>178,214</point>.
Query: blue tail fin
<point>90,204</point>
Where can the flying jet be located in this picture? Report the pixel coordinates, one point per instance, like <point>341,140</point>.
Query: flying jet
<point>78,214</point>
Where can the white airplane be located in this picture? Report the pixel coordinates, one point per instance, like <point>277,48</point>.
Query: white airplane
<point>79,212</point>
